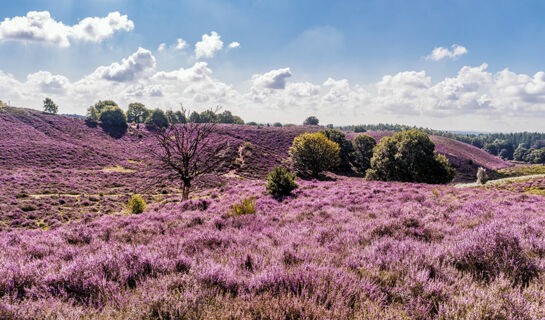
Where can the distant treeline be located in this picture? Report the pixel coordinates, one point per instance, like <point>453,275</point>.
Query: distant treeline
<point>520,146</point>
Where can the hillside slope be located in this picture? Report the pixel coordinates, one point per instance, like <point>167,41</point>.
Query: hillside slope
<point>32,138</point>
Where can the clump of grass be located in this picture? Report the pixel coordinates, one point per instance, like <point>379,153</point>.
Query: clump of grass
<point>245,206</point>
<point>136,204</point>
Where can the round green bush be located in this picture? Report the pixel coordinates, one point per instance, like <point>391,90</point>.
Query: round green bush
<point>313,153</point>
<point>409,156</point>
<point>136,204</point>
<point>113,117</point>
<point>281,182</point>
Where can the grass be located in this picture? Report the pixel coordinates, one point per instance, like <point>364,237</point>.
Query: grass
<point>117,169</point>
<point>522,171</point>
<point>501,181</point>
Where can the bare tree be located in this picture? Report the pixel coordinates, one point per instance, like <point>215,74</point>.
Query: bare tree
<point>187,151</point>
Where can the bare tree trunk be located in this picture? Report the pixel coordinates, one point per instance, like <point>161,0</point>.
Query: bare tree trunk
<point>185,189</point>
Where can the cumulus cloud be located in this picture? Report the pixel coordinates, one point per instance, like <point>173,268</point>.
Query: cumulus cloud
<point>129,69</point>
<point>208,46</point>
<point>39,26</point>
<point>180,44</point>
<point>233,45</point>
<point>274,79</point>
<point>474,94</point>
<point>440,53</point>
<point>161,46</point>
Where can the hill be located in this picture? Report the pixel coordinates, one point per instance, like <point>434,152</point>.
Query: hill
<point>32,138</point>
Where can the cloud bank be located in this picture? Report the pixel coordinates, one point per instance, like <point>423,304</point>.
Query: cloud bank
<point>473,96</point>
<point>39,26</point>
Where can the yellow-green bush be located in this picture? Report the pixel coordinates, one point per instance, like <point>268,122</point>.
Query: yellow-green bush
<point>313,153</point>
<point>245,206</point>
<point>137,204</point>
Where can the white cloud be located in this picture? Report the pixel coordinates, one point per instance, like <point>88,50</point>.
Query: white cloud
<point>233,45</point>
<point>129,69</point>
<point>180,44</point>
<point>474,98</point>
<point>274,79</point>
<point>208,46</point>
<point>440,53</point>
<point>161,46</point>
<point>39,26</point>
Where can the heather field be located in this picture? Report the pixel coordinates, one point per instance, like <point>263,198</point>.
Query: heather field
<point>338,248</point>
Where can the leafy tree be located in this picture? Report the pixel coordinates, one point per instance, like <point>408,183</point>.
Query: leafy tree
<point>50,106</point>
<point>277,124</point>
<point>137,113</point>
<point>252,123</point>
<point>311,121</point>
<point>536,156</point>
<point>92,113</point>
<point>359,128</point>
<point>195,117</point>
<point>409,156</point>
<point>180,117</point>
<point>208,116</point>
<point>345,145</point>
<point>281,182</point>
<point>313,153</point>
<point>520,153</point>
<point>363,151</point>
<point>113,117</point>
<point>157,120</point>
<point>185,152</point>
<point>102,104</point>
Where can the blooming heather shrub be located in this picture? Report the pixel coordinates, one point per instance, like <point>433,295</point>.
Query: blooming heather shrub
<point>313,153</point>
<point>492,250</point>
<point>409,156</point>
<point>482,177</point>
<point>244,207</point>
<point>136,204</point>
<point>281,182</point>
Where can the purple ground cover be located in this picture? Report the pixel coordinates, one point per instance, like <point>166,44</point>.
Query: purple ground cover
<point>339,249</point>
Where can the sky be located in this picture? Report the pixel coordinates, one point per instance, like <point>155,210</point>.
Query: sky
<point>452,65</point>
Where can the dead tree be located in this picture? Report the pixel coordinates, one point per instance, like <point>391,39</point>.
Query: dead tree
<point>187,151</point>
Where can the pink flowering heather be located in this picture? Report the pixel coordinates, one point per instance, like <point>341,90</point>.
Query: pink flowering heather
<point>343,248</point>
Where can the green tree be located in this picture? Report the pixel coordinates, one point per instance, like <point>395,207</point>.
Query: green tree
<point>137,113</point>
<point>113,117</point>
<point>311,121</point>
<point>195,117</point>
<point>409,156</point>
<point>313,153</point>
<point>277,124</point>
<point>50,106</point>
<point>363,151</point>
<point>157,120</point>
<point>102,104</point>
<point>520,153</point>
<point>208,116</point>
<point>345,145</point>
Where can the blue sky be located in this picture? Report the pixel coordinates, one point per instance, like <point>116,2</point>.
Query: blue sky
<point>356,44</point>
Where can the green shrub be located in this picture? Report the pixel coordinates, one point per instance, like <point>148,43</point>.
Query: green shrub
<point>409,156</point>
<point>245,206</point>
<point>363,151</point>
<point>113,117</point>
<point>281,181</point>
<point>157,120</point>
<point>346,149</point>
<point>137,204</point>
<point>313,153</point>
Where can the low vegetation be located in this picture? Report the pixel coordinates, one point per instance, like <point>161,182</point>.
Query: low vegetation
<point>281,182</point>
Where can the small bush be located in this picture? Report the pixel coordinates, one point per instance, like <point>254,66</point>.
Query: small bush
<point>157,120</point>
<point>281,181</point>
<point>137,204</point>
<point>311,121</point>
<point>313,153</point>
<point>482,177</point>
<point>113,117</point>
<point>245,206</point>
